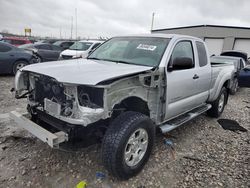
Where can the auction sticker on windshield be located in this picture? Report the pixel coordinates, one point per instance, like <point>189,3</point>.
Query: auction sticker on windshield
<point>146,47</point>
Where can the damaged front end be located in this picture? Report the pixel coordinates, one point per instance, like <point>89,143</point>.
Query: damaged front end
<point>74,104</point>
<point>85,111</point>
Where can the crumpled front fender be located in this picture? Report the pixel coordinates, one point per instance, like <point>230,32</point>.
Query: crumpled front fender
<point>20,83</point>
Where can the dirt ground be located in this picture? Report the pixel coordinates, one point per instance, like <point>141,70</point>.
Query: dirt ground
<point>204,154</point>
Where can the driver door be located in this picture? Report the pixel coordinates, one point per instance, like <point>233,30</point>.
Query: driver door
<point>181,90</point>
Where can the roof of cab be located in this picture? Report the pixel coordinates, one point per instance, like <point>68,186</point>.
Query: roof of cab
<point>161,35</point>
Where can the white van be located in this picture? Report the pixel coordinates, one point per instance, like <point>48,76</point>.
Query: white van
<point>80,49</point>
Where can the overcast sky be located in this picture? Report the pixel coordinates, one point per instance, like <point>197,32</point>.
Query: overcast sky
<point>113,17</point>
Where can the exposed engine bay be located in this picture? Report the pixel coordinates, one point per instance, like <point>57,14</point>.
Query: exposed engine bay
<point>71,103</point>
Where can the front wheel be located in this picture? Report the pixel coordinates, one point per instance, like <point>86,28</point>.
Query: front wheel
<point>219,104</point>
<point>18,65</point>
<point>127,144</point>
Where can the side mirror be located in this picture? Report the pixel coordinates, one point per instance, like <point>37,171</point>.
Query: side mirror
<point>181,63</point>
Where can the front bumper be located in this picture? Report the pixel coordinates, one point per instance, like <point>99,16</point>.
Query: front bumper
<point>65,57</point>
<point>52,139</point>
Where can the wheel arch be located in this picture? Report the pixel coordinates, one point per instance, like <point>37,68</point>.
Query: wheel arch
<point>227,85</point>
<point>218,86</point>
<point>131,103</point>
<point>21,59</point>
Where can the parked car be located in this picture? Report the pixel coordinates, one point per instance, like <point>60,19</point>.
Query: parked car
<point>244,77</point>
<point>239,64</point>
<point>44,52</point>
<point>12,58</point>
<point>48,41</point>
<point>64,44</point>
<point>16,41</point>
<point>80,49</point>
<point>235,53</point>
<point>121,93</point>
<point>33,40</point>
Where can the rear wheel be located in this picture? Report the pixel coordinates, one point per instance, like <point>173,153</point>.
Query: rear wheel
<point>235,87</point>
<point>219,104</point>
<point>18,65</point>
<point>127,144</point>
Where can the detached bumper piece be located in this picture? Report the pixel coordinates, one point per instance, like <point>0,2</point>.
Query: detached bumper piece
<point>52,139</point>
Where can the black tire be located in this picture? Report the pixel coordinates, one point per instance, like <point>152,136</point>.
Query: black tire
<point>217,108</point>
<point>235,87</point>
<point>17,65</point>
<point>115,144</point>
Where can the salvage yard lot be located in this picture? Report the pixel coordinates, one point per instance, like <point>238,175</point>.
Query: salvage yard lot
<point>204,155</point>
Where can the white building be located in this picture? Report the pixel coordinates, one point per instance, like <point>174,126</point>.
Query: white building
<point>218,38</point>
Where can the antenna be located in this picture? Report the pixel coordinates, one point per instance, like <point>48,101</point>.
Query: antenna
<point>152,23</point>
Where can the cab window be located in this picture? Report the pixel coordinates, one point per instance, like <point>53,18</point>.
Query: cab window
<point>4,48</point>
<point>202,54</point>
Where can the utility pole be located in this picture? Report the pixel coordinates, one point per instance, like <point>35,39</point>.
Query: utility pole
<point>71,30</point>
<point>76,21</point>
<point>60,32</point>
<point>152,23</point>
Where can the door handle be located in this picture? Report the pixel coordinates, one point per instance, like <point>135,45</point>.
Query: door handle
<point>195,76</point>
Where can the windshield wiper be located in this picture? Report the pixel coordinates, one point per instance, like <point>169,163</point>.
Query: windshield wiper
<point>93,58</point>
<point>125,62</point>
<point>118,61</point>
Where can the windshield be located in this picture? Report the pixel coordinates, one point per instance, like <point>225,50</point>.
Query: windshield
<point>26,46</point>
<point>146,51</point>
<point>58,43</point>
<point>83,46</point>
<point>222,61</point>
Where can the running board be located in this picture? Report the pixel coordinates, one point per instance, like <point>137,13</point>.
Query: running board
<point>174,123</point>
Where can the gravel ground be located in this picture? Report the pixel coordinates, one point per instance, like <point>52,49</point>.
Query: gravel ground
<point>204,154</point>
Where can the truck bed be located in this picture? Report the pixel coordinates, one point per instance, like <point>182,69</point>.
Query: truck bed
<point>218,71</point>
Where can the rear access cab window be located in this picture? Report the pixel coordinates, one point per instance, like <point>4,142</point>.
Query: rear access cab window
<point>202,53</point>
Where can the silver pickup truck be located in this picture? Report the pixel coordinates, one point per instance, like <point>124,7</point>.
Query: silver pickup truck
<point>125,90</point>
